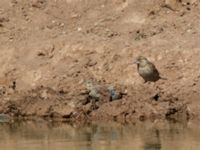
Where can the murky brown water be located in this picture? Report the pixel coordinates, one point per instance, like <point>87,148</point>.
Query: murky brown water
<point>142,136</point>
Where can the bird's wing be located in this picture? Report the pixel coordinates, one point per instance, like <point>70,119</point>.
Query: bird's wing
<point>155,70</point>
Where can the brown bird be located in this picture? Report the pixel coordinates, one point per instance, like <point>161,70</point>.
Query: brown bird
<point>147,70</point>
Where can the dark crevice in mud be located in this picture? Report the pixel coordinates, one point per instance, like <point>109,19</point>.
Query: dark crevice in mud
<point>156,97</point>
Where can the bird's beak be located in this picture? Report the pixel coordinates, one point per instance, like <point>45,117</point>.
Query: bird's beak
<point>136,62</point>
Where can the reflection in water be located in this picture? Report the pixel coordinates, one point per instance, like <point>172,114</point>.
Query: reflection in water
<point>152,140</point>
<point>142,136</point>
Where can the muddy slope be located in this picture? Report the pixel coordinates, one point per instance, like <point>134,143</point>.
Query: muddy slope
<point>50,49</point>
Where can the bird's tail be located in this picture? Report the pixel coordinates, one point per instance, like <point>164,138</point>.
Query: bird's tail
<point>163,78</point>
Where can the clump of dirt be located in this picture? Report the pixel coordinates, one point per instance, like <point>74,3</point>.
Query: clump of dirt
<point>51,49</point>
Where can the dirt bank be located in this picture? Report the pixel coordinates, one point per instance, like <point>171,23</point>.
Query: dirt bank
<point>50,49</point>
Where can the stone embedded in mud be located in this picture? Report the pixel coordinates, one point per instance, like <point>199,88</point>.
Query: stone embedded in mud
<point>46,50</point>
<point>38,3</point>
<point>171,4</point>
<point>90,63</point>
<point>2,90</point>
<point>59,112</point>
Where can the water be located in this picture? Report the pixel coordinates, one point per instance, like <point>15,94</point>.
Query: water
<point>110,136</point>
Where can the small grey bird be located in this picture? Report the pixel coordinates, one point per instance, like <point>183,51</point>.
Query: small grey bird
<point>93,90</point>
<point>114,95</point>
<point>93,93</point>
<point>147,70</point>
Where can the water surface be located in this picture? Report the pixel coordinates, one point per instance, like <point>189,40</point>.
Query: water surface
<point>110,136</point>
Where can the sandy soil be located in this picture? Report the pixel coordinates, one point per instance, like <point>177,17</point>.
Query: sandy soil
<point>49,49</point>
